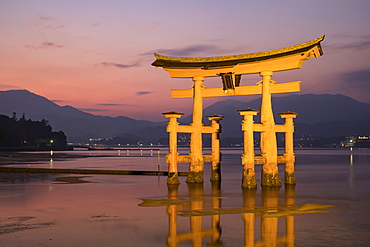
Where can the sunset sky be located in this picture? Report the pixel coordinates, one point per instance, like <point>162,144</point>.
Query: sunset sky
<point>96,55</point>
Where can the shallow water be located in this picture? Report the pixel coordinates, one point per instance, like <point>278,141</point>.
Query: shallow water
<point>328,206</point>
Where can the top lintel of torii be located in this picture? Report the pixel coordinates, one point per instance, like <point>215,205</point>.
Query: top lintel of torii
<point>287,58</point>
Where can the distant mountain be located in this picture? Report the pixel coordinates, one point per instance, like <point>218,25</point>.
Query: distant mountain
<point>312,108</point>
<point>319,114</point>
<point>74,123</point>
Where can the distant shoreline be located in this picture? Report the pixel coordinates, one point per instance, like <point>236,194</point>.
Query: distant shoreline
<point>22,149</point>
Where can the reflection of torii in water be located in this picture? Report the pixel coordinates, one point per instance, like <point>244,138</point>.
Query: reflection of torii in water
<point>200,207</point>
<point>230,68</point>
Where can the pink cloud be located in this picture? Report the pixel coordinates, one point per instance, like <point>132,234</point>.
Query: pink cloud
<point>53,27</point>
<point>143,93</point>
<point>44,18</point>
<point>119,65</point>
<point>45,22</point>
<point>44,45</point>
<point>96,24</point>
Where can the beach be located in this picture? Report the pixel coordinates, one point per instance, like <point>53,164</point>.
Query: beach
<point>328,206</point>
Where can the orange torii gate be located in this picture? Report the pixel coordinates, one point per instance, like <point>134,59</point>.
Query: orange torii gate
<point>231,68</point>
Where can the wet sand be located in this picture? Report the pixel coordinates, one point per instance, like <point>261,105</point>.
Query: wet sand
<point>13,158</point>
<point>8,158</point>
<point>328,206</point>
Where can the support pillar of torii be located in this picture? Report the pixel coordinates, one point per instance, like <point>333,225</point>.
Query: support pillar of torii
<point>264,63</point>
<point>269,172</point>
<point>195,173</point>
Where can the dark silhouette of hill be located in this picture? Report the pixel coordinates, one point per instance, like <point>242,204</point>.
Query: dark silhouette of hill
<point>74,123</point>
<point>26,134</point>
<point>319,114</point>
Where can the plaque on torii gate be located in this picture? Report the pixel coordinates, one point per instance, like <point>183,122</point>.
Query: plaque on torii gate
<point>230,68</point>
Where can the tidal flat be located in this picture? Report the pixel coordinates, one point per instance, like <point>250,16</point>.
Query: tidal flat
<point>327,207</point>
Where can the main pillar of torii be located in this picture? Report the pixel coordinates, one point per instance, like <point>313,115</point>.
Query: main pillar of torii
<point>230,68</point>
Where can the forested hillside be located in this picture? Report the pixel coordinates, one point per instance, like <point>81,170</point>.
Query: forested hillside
<point>26,134</point>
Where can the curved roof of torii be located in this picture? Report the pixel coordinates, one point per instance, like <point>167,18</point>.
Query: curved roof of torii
<point>230,61</point>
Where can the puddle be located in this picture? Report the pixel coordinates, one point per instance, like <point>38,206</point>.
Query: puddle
<point>71,180</point>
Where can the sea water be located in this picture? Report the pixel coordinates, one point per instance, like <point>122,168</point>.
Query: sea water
<point>329,206</point>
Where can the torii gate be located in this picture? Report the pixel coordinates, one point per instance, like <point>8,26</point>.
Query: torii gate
<point>230,68</point>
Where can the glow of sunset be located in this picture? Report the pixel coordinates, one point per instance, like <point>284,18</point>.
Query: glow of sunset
<point>96,55</point>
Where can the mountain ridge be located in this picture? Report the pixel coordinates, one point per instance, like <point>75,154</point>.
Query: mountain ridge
<point>319,114</point>
<point>73,122</point>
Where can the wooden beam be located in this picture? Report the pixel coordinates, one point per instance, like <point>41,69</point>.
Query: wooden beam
<point>280,128</point>
<point>187,158</point>
<point>258,160</point>
<point>288,87</point>
<point>185,129</point>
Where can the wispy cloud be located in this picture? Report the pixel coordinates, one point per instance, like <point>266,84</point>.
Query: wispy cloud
<point>143,93</point>
<point>185,51</point>
<point>44,17</point>
<point>51,27</point>
<point>46,22</point>
<point>8,87</point>
<point>57,101</point>
<point>357,45</point>
<point>358,80</point>
<point>151,27</point>
<point>350,1</point>
<point>91,109</point>
<point>96,24</point>
<point>111,104</point>
<point>360,42</point>
<point>120,66</point>
<point>44,45</point>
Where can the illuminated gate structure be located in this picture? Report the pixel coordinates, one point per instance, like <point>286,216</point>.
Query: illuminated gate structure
<point>230,69</point>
